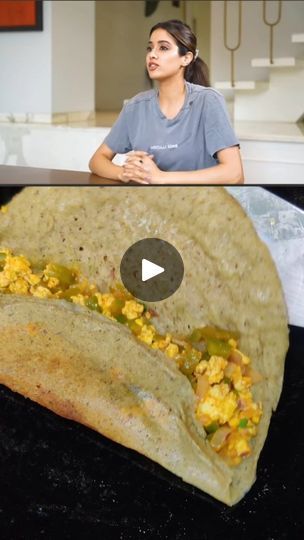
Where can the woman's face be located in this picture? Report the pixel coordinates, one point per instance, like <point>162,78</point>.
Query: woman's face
<point>163,59</point>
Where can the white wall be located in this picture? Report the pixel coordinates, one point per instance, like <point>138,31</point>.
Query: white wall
<point>25,69</point>
<point>255,37</point>
<point>49,72</point>
<point>73,56</point>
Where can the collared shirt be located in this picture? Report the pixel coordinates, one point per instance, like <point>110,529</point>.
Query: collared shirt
<point>189,141</point>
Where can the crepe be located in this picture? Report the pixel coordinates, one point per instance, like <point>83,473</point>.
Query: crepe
<point>92,370</point>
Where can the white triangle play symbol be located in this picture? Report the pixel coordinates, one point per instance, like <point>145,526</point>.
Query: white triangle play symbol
<point>149,270</point>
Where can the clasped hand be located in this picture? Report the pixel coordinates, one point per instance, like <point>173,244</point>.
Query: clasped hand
<point>139,167</point>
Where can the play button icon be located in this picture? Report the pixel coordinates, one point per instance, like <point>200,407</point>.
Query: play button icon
<point>152,269</point>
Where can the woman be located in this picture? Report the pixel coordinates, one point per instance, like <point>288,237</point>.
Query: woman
<point>180,134</point>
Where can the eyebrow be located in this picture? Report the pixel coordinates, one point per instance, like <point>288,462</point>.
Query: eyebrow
<point>160,41</point>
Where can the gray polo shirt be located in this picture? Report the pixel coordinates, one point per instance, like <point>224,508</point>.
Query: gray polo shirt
<point>187,142</point>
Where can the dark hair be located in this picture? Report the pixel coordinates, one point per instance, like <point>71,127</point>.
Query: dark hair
<point>197,71</point>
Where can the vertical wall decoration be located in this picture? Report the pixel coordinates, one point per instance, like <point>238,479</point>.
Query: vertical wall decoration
<point>271,25</point>
<point>238,44</point>
<point>20,15</point>
<point>151,6</point>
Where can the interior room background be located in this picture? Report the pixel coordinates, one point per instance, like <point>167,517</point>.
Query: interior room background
<point>62,87</point>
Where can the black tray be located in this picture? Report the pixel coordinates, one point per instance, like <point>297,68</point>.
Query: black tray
<point>61,480</point>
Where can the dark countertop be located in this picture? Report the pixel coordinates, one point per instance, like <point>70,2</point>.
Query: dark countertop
<point>62,480</point>
<point>292,194</point>
<point>14,175</point>
<point>20,176</point>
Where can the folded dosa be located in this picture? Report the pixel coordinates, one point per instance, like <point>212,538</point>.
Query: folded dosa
<point>85,367</point>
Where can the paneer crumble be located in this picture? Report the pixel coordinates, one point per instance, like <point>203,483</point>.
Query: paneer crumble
<point>220,374</point>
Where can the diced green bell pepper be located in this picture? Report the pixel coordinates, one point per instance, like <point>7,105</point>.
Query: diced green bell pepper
<point>243,423</point>
<point>122,319</point>
<point>65,276</point>
<point>211,428</point>
<point>217,347</point>
<point>92,303</point>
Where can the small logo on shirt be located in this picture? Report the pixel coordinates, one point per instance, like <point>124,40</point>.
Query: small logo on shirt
<point>163,146</point>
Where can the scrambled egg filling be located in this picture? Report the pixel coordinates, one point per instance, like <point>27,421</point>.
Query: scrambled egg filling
<point>219,372</point>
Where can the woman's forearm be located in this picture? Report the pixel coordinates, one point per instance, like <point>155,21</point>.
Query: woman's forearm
<point>223,173</point>
<point>219,174</point>
<point>104,167</point>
